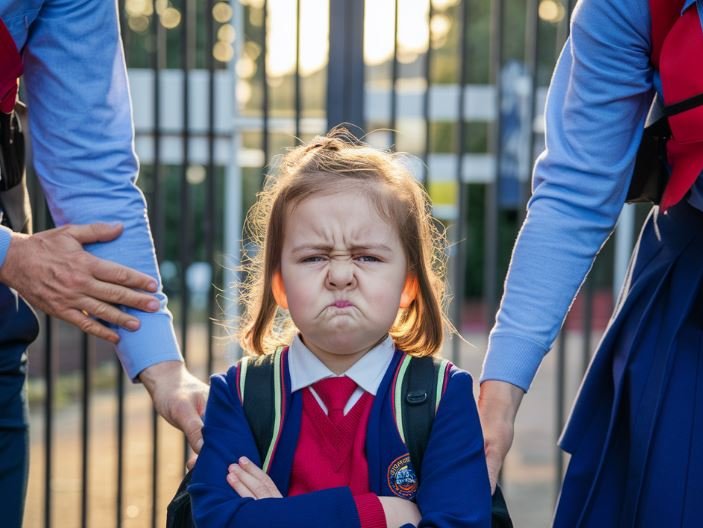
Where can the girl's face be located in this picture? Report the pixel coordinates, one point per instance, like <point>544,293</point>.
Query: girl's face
<point>343,271</point>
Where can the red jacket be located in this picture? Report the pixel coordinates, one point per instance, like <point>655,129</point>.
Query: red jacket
<point>677,52</point>
<point>10,70</point>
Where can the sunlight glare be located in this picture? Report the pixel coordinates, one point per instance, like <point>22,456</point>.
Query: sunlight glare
<point>378,30</point>
<point>314,33</point>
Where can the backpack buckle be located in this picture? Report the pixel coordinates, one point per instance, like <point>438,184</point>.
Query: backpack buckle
<point>416,397</point>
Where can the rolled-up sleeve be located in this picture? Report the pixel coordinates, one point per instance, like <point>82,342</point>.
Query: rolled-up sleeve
<point>597,102</point>
<point>83,141</point>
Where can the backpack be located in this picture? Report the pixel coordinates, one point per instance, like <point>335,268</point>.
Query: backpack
<point>417,391</point>
<point>651,173</point>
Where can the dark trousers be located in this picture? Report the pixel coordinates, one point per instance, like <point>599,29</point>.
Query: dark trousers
<point>18,328</point>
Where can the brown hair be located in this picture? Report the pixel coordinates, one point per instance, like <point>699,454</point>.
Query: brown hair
<point>328,164</point>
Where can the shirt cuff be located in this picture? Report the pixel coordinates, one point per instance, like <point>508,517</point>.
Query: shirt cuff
<point>370,511</point>
<point>512,359</point>
<point>154,342</point>
<point>5,238</point>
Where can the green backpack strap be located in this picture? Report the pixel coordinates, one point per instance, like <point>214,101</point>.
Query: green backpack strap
<point>417,393</point>
<point>262,394</point>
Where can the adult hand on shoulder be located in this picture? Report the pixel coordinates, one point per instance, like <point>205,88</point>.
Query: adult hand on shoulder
<point>53,272</point>
<point>248,480</point>
<point>400,511</point>
<point>179,397</point>
<point>498,403</point>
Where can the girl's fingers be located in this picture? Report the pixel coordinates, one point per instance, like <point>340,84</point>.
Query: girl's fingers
<point>256,480</point>
<point>260,475</point>
<point>258,489</point>
<point>238,486</point>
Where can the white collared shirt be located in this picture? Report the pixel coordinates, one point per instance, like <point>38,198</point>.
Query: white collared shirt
<point>305,369</point>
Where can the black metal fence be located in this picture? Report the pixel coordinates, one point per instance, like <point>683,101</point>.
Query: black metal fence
<point>217,90</point>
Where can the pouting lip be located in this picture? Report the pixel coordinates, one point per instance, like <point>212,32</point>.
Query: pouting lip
<point>341,303</point>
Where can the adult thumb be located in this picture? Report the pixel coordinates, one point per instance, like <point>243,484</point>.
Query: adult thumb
<point>194,434</point>
<point>98,232</point>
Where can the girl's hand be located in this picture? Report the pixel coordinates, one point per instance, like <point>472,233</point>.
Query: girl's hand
<point>250,481</point>
<point>399,512</point>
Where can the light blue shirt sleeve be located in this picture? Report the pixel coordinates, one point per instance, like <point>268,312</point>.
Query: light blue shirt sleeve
<point>5,236</point>
<point>83,142</point>
<point>596,106</point>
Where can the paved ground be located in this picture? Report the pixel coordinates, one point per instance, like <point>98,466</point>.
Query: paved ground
<point>529,473</point>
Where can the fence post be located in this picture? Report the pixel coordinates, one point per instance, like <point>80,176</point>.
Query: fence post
<point>345,71</point>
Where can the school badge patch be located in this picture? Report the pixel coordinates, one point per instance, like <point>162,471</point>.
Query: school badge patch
<point>402,480</point>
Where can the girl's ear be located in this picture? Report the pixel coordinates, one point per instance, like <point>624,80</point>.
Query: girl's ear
<point>409,292</point>
<point>279,290</point>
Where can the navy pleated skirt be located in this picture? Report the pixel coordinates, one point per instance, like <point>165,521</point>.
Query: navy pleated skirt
<point>636,431</point>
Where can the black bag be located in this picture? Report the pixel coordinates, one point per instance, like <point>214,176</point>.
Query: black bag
<point>651,172</point>
<point>14,200</point>
<point>418,405</point>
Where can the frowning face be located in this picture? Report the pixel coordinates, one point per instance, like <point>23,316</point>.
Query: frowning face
<point>343,270</point>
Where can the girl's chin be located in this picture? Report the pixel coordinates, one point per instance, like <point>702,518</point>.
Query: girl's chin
<point>340,345</point>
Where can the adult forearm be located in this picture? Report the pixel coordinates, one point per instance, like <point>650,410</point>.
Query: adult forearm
<point>498,403</point>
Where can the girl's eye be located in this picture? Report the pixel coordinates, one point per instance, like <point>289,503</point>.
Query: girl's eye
<point>314,258</point>
<point>368,258</point>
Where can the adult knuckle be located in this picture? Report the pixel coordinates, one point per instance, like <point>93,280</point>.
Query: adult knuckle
<point>100,311</point>
<point>115,295</point>
<point>86,325</point>
<point>120,276</point>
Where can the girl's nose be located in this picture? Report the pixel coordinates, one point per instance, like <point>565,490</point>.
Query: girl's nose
<point>340,274</point>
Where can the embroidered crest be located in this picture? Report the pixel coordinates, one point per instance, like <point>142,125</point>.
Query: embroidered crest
<point>401,477</point>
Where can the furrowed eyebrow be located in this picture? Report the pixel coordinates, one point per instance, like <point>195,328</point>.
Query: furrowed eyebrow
<point>305,248</point>
<point>353,249</point>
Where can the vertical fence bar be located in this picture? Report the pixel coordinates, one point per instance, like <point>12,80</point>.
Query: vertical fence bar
<point>87,365</point>
<point>210,191</point>
<point>426,101</point>
<point>124,28</point>
<point>186,223</point>
<point>265,110</point>
<point>119,496</point>
<point>232,229</point>
<point>394,80</point>
<point>492,199</point>
<point>296,79</point>
<point>532,33</point>
<point>154,467</point>
<point>459,228</point>
<point>346,68</point>
<point>157,222</point>
<point>49,378</point>
<point>158,62</point>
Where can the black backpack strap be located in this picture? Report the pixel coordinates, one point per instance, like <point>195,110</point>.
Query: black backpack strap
<point>260,387</point>
<point>261,391</point>
<point>417,392</point>
<point>684,106</point>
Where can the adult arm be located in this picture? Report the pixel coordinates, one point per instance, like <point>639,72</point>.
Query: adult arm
<point>227,438</point>
<point>454,487</point>
<point>53,272</point>
<point>82,138</point>
<point>596,107</point>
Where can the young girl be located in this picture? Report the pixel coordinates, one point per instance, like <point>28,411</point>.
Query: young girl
<point>348,277</point>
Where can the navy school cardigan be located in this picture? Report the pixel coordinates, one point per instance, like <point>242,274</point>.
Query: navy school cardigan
<point>454,491</point>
